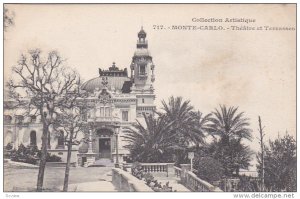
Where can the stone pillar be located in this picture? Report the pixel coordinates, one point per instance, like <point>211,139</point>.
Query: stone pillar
<point>184,169</point>
<point>90,149</point>
<point>170,170</point>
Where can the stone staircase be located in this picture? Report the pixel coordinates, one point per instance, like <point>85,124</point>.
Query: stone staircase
<point>102,162</point>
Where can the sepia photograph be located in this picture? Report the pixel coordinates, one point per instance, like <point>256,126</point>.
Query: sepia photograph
<point>150,98</point>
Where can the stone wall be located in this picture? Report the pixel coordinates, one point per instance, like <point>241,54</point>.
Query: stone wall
<point>124,181</point>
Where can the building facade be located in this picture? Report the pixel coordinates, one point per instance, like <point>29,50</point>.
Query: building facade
<point>115,100</point>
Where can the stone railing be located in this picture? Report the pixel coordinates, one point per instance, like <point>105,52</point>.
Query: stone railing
<point>191,181</point>
<point>196,184</point>
<point>167,168</point>
<point>124,181</point>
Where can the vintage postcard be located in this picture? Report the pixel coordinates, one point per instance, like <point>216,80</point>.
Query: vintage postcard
<point>149,98</point>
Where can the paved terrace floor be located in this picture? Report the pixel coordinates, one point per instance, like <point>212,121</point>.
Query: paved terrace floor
<point>23,177</point>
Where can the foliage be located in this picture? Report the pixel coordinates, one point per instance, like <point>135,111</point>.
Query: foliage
<point>188,126</point>
<point>229,128</point>
<point>209,169</point>
<point>9,146</point>
<point>8,19</point>
<point>31,155</point>
<point>227,124</point>
<point>248,184</point>
<point>150,144</point>
<point>232,156</point>
<point>280,164</point>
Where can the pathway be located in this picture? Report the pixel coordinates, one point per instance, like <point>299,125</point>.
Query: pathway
<point>103,185</point>
<point>173,182</point>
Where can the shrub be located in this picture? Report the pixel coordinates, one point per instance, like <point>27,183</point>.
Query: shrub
<point>209,169</point>
<point>53,158</point>
<point>9,146</point>
<point>30,155</point>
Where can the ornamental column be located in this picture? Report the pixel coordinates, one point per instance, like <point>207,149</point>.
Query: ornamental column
<point>90,149</point>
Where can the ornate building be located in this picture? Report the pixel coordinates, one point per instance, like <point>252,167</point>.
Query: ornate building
<point>115,100</point>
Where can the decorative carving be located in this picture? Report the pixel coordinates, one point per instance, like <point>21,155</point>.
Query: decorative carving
<point>104,96</point>
<point>104,81</point>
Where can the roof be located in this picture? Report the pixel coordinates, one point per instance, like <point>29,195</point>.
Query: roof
<point>142,33</point>
<point>114,82</point>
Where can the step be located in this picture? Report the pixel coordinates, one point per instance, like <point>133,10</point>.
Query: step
<point>103,162</point>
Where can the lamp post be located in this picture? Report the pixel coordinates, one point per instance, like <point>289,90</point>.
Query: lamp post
<point>117,146</point>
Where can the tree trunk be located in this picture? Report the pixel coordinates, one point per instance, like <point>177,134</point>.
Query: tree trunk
<point>43,158</point>
<point>67,171</point>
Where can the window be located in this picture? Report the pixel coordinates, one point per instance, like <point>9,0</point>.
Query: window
<point>33,138</point>
<point>33,118</point>
<point>142,70</point>
<point>7,119</point>
<point>107,111</point>
<point>60,140</point>
<point>143,100</point>
<point>125,115</point>
<point>101,111</point>
<point>19,119</point>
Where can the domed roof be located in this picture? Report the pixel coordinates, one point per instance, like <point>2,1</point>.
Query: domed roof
<point>142,52</point>
<point>114,82</point>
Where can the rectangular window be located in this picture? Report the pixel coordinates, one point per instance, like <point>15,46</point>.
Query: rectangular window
<point>142,70</point>
<point>125,115</point>
<point>101,111</point>
<point>107,111</point>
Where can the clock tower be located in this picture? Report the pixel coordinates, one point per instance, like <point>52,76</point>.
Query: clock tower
<point>142,76</point>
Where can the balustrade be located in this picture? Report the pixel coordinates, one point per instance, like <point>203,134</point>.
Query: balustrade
<point>155,167</point>
<point>196,184</point>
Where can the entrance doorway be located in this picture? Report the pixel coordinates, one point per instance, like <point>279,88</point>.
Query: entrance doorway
<point>105,147</point>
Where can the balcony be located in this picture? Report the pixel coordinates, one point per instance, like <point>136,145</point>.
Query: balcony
<point>104,119</point>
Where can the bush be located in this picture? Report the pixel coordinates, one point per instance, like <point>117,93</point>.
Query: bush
<point>9,146</point>
<point>209,169</point>
<point>30,155</point>
<point>53,158</point>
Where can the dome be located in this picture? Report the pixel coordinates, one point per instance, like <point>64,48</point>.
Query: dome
<point>114,82</point>
<point>142,33</point>
<point>142,52</point>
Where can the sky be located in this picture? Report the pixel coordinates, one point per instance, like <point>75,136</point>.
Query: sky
<point>254,70</point>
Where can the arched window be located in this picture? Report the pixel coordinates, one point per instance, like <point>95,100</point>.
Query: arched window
<point>61,140</point>
<point>33,138</point>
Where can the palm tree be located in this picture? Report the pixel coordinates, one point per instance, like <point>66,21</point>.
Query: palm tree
<point>152,142</point>
<point>231,127</point>
<point>188,125</point>
<point>228,124</point>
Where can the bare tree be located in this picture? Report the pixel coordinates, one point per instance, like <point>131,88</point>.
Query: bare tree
<point>46,86</point>
<point>262,148</point>
<point>70,120</point>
